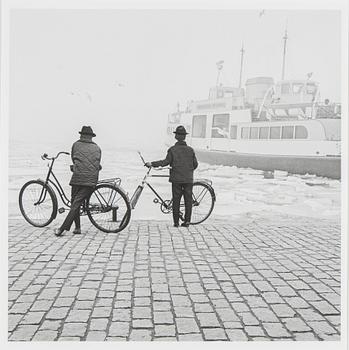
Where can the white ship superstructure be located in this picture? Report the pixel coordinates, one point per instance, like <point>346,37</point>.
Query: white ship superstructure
<point>265,125</point>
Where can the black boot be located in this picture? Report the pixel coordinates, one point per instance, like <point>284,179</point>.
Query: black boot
<point>77,231</point>
<point>59,232</point>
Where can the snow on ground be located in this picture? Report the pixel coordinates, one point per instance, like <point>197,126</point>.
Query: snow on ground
<point>240,193</point>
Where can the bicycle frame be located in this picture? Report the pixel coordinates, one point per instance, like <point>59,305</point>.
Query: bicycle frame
<point>139,189</point>
<point>56,185</point>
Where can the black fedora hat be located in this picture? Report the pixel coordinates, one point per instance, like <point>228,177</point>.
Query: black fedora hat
<point>180,130</point>
<point>87,130</point>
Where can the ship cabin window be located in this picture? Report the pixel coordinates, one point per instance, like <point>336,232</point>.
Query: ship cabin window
<point>301,132</point>
<point>233,132</point>
<point>297,88</point>
<point>264,132</point>
<point>220,126</point>
<point>287,132</point>
<point>285,88</point>
<point>244,133</point>
<point>254,133</point>
<point>220,93</point>
<point>174,118</point>
<point>229,94</point>
<point>199,126</point>
<point>311,89</point>
<point>275,132</point>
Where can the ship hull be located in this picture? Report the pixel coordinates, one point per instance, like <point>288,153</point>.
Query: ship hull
<point>321,166</point>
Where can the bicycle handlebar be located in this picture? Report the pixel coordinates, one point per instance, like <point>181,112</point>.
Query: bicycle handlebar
<point>140,154</point>
<point>158,168</point>
<point>46,157</point>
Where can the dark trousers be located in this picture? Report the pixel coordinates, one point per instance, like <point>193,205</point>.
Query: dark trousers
<point>78,195</point>
<point>179,189</point>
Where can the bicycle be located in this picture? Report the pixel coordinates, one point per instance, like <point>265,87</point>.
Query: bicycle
<point>203,200</point>
<point>108,207</point>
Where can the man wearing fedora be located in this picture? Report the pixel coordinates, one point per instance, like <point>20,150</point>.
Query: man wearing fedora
<point>86,157</point>
<point>183,162</point>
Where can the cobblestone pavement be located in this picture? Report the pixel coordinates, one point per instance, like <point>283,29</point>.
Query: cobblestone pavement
<point>262,280</point>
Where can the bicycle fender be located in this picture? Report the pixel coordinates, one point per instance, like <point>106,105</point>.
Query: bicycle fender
<point>213,193</point>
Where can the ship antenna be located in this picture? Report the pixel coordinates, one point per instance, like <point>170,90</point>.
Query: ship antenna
<point>284,55</point>
<point>241,63</point>
<point>219,65</point>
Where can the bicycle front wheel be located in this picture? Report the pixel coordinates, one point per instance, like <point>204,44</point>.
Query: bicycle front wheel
<point>203,202</point>
<point>38,203</point>
<point>108,208</point>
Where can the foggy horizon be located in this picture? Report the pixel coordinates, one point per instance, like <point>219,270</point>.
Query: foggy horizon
<point>123,71</point>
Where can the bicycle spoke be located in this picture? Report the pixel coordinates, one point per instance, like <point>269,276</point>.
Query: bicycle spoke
<point>36,203</point>
<point>203,203</point>
<point>205,191</point>
<point>108,210</point>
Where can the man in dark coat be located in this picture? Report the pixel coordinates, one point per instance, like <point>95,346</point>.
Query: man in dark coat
<point>183,162</point>
<point>86,157</point>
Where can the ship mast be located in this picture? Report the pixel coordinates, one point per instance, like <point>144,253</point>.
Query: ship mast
<point>241,63</point>
<point>284,55</point>
<point>219,65</point>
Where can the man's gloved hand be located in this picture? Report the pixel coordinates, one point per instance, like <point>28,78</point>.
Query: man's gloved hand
<point>148,164</point>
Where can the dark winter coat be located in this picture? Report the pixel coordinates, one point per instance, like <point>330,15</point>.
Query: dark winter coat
<point>182,160</point>
<point>86,157</point>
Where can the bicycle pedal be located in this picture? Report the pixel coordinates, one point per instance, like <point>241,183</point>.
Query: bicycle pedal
<point>61,210</point>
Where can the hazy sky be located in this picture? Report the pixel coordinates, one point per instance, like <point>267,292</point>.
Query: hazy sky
<point>123,71</point>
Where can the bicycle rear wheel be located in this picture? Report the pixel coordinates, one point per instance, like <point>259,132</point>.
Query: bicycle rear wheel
<point>108,208</point>
<point>203,202</point>
<point>38,203</point>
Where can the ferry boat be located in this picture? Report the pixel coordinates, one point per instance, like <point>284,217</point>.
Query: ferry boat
<point>266,125</point>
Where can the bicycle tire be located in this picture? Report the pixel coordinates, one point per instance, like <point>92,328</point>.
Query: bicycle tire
<point>108,208</point>
<point>197,218</point>
<point>48,212</point>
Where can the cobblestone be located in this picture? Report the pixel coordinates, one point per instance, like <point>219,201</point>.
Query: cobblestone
<point>74,329</point>
<point>140,335</point>
<point>45,335</point>
<point>296,325</point>
<point>214,334</point>
<point>186,325</point>
<point>165,331</point>
<point>267,280</point>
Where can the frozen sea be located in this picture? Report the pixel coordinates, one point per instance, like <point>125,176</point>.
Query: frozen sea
<point>241,193</point>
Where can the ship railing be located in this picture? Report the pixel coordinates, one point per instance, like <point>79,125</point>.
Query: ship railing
<point>332,110</point>
<point>270,113</point>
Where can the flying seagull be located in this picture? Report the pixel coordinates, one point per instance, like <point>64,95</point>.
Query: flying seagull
<point>88,96</point>
<point>119,84</point>
<point>261,13</point>
<point>78,94</point>
<point>220,64</point>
